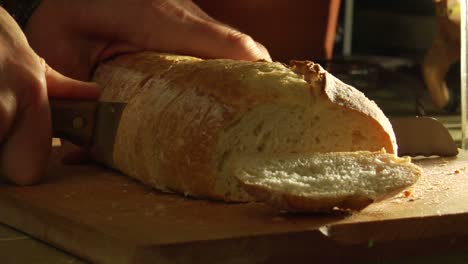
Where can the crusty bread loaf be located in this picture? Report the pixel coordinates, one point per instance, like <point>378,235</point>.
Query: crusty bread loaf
<point>321,182</point>
<point>186,118</point>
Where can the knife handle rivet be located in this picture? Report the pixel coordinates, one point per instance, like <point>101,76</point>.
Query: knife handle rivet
<point>78,122</point>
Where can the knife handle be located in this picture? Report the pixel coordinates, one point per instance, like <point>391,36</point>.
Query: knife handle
<point>74,120</point>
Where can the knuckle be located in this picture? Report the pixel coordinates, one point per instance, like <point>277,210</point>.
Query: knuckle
<point>160,6</point>
<point>28,80</point>
<point>35,86</point>
<point>170,8</point>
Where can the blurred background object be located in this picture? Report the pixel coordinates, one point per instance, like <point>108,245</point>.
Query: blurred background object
<point>380,47</point>
<point>391,41</point>
<point>443,53</point>
<point>290,29</point>
<point>402,54</point>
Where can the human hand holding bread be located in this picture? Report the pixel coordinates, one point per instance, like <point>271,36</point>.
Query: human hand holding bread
<point>189,121</point>
<point>73,37</point>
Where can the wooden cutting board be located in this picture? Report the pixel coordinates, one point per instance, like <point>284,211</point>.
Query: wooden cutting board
<point>104,217</point>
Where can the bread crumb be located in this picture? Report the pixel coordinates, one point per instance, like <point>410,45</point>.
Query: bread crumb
<point>457,172</point>
<point>408,193</point>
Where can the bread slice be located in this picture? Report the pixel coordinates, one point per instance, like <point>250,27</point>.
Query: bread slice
<point>320,182</point>
<point>187,118</point>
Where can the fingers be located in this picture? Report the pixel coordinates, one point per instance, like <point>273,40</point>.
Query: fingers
<point>178,27</point>
<point>257,52</point>
<point>25,128</point>
<point>25,151</point>
<point>197,11</point>
<point>220,41</point>
<point>208,39</point>
<point>59,86</point>
<point>26,147</point>
<point>242,45</point>
<point>263,50</point>
<point>171,26</point>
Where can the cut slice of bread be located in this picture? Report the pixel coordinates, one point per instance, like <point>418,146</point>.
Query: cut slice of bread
<point>322,182</point>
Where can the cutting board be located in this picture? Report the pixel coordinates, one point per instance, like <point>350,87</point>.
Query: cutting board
<point>104,217</point>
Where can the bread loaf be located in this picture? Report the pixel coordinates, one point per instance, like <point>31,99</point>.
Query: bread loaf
<point>322,182</point>
<point>188,118</point>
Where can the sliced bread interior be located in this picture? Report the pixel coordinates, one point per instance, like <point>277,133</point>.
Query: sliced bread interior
<point>322,182</point>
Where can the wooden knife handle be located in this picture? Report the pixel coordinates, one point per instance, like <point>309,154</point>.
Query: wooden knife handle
<point>74,120</point>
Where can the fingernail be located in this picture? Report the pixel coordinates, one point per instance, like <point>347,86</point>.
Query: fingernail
<point>263,51</point>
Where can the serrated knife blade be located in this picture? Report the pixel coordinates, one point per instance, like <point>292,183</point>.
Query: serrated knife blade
<point>422,136</point>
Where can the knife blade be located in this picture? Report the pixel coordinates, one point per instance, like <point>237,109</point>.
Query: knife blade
<point>88,123</point>
<point>422,136</point>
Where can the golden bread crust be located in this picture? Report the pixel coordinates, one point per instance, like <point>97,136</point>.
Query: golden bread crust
<point>178,106</point>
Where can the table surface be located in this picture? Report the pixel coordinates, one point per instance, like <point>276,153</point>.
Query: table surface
<point>18,248</point>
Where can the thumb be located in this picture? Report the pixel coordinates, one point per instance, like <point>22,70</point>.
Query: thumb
<point>60,86</point>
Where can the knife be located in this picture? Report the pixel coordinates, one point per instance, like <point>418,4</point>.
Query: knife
<point>422,136</point>
<point>88,123</point>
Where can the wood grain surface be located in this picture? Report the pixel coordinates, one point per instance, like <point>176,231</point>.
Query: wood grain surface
<point>104,217</point>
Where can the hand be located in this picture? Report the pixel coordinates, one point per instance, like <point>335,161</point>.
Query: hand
<point>75,35</point>
<point>25,125</point>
